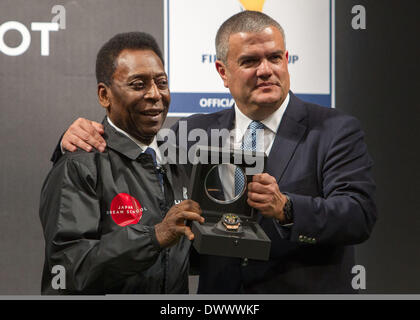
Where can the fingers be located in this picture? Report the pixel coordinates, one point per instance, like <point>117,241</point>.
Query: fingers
<point>260,188</point>
<point>98,127</point>
<point>265,196</point>
<point>258,197</point>
<point>184,230</point>
<point>87,131</point>
<point>173,226</point>
<point>190,205</point>
<point>84,134</point>
<point>189,215</point>
<point>261,206</point>
<point>265,208</point>
<point>264,178</point>
<point>262,191</point>
<point>67,145</point>
<point>71,143</point>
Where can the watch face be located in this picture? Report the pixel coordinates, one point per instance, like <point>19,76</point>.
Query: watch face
<point>231,221</point>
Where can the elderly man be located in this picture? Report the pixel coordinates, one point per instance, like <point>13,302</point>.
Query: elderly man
<point>110,218</point>
<point>315,200</point>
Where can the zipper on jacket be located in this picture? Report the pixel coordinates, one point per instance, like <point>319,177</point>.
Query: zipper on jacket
<point>165,271</point>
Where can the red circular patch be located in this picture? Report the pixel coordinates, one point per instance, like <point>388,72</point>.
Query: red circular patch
<point>125,210</point>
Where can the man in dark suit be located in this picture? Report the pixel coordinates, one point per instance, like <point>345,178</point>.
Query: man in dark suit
<point>315,200</point>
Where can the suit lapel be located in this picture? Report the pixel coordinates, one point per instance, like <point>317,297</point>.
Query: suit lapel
<point>291,130</point>
<point>226,120</point>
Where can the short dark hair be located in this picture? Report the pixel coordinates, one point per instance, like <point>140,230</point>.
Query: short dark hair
<point>244,21</point>
<point>106,58</point>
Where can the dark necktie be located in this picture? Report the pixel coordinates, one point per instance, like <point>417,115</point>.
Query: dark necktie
<point>158,171</point>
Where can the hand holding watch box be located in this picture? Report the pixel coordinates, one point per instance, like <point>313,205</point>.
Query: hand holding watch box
<point>219,184</point>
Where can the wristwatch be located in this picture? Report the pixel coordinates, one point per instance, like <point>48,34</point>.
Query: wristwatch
<point>231,221</point>
<point>288,210</point>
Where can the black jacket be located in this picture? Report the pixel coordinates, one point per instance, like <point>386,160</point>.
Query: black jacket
<point>86,200</point>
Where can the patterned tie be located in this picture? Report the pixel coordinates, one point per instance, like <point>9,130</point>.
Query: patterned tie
<point>158,172</point>
<point>249,143</point>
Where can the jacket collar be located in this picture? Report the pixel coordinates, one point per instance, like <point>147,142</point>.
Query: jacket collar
<point>120,142</point>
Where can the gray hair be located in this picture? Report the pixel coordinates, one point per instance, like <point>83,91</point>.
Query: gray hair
<point>245,21</point>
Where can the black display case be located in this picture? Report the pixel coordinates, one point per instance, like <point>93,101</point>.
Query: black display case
<point>211,181</point>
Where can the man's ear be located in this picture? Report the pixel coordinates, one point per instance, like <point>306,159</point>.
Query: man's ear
<point>221,69</point>
<point>104,95</point>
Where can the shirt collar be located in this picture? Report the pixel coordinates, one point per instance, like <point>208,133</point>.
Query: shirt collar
<point>272,122</point>
<point>141,145</point>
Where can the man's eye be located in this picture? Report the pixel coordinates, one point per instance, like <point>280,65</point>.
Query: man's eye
<point>248,62</point>
<point>137,85</point>
<point>275,58</point>
<point>162,83</point>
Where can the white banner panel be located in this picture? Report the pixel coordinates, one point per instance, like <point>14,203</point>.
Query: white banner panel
<point>190,31</point>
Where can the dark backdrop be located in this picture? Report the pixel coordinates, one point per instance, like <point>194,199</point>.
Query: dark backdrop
<point>376,80</point>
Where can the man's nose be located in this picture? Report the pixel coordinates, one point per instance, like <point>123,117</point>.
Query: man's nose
<point>153,92</point>
<point>264,69</point>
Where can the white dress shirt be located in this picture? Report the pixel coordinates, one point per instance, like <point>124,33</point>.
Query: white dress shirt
<point>271,123</point>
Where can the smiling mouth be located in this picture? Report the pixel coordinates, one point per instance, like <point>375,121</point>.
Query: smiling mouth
<point>265,84</point>
<point>151,113</point>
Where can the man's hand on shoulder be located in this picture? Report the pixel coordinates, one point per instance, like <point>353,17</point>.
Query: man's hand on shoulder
<point>83,134</point>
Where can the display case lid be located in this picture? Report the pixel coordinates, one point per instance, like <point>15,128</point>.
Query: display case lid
<point>215,178</point>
